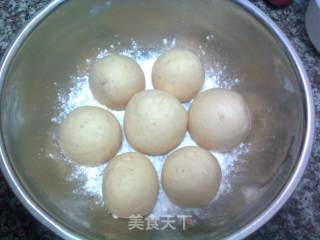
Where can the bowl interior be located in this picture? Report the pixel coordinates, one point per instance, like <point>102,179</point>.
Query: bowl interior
<point>48,77</point>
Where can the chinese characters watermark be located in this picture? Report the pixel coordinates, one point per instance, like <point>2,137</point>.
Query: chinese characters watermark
<point>165,222</point>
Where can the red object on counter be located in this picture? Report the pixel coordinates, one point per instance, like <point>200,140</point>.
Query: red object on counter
<point>279,3</point>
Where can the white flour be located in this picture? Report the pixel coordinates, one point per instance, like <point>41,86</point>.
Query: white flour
<point>90,178</point>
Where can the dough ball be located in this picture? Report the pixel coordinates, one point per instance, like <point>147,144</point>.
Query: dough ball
<point>130,185</point>
<point>178,72</point>
<point>155,122</point>
<point>115,79</point>
<point>191,177</point>
<point>90,135</point>
<point>219,119</point>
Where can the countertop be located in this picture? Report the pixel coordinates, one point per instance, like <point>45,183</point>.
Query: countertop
<point>298,219</point>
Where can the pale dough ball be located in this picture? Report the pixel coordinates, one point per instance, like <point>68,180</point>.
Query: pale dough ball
<point>219,119</point>
<point>178,72</point>
<point>115,79</point>
<point>155,122</point>
<point>130,185</point>
<point>90,135</point>
<point>191,177</point>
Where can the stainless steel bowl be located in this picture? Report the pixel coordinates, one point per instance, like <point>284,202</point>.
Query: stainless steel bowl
<point>44,75</point>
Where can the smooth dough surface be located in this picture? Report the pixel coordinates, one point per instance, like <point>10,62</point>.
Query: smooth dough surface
<point>191,177</point>
<point>115,79</point>
<point>130,185</point>
<point>219,119</point>
<point>155,122</point>
<point>178,72</point>
<point>90,135</point>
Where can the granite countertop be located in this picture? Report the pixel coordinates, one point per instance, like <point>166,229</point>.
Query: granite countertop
<point>298,219</point>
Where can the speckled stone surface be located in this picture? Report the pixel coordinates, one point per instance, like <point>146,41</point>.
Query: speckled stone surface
<point>298,219</point>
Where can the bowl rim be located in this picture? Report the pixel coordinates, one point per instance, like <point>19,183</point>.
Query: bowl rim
<point>61,230</point>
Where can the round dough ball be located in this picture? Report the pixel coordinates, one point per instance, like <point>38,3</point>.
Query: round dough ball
<point>191,177</point>
<point>90,135</point>
<point>178,72</point>
<point>219,119</point>
<point>115,79</point>
<point>155,122</point>
<point>130,185</point>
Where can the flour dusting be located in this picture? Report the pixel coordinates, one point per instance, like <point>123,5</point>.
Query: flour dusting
<point>89,179</point>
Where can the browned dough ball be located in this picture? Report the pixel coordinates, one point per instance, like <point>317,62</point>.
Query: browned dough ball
<point>219,119</point>
<point>115,79</point>
<point>130,185</point>
<point>191,177</point>
<point>155,122</point>
<point>178,72</point>
<point>90,135</point>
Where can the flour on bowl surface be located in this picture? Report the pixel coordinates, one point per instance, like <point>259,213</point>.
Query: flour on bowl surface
<point>89,179</point>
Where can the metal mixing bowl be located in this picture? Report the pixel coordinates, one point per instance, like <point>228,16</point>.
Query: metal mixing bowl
<point>44,75</point>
